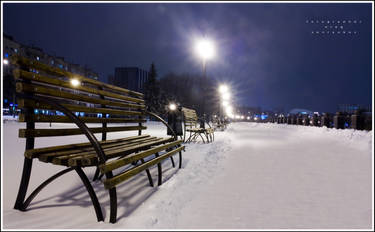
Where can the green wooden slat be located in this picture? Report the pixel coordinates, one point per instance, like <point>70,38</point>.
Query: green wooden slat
<point>113,182</point>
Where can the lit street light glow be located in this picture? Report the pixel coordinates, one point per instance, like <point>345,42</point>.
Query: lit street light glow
<point>6,61</point>
<point>75,82</point>
<point>228,110</point>
<point>225,103</point>
<point>226,96</point>
<point>205,49</point>
<point>223,89</point>
<point>172,107</point>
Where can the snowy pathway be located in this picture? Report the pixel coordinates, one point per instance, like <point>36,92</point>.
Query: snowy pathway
<point>253,176</point>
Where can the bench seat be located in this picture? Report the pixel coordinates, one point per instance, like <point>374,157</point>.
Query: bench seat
<point>83,154</point>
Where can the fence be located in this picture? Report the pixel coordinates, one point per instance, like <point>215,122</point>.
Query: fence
<point>359,120</point>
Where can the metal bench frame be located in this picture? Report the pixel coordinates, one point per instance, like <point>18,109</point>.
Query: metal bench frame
<point>22,204</point>
<point>195,131</point>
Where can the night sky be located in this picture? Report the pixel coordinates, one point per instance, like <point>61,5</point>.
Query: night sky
<point>270,54</point>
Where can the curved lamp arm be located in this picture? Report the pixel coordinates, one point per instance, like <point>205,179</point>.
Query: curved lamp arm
<point>163,121</point>
<point>94,142</point>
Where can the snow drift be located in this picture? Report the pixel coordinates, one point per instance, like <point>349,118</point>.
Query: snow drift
<point>253,176</point>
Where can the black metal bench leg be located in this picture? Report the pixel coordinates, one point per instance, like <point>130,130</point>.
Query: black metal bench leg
<point>44,184</point>
<point>91,192</point>
<point>113,201</point>
<point>96,176</point>
<point>172,161</point>
<point>207,137</point>
<point>194,137</point>
<point>190,138</point>
<point>159,171</point>
<point>148,174</point>
<point>27,164</point>
<point>202,138</point>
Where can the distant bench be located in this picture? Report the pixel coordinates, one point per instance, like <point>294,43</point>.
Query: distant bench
<point>60,91</point>
<point>219,123</point>
<point>192,125</point>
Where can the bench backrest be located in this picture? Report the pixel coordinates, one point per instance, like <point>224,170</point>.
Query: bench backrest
<point>190,117</point>
<point>78,94</point>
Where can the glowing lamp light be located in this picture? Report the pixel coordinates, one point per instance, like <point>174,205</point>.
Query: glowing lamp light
<point>225,103</point>
<point>6,61</point>
<point>172,107</point>
<point>75,82</point>
<point>205,49</point>
<point>242,117</point>
<point>226,96</point>
<point>228,110</point>
<point>223,89</point>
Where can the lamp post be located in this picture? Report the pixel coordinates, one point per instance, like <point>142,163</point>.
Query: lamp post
<point>224,97</point>
<point>205,50</point>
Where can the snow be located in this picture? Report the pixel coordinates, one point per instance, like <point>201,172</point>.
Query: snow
<point>253,176</point>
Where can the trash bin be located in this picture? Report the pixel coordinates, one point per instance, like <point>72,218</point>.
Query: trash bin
<point>202,123</point>
<point>175,121</point>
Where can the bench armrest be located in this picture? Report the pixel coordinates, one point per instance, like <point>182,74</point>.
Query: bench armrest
<point>94,142</point>
<point>163,121</point>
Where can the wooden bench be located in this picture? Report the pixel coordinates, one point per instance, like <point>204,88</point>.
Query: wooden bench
<point>40,86</point>
<point>192,124</point>
<point>219,123</point>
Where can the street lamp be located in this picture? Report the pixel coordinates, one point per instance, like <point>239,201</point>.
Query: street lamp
<point>6,61</point>
<point>172,107</point>
<point>75,82</point>
<point>225,103</point>
<point>205,49</point>
<point>223,89</point>
<point>224,97</point>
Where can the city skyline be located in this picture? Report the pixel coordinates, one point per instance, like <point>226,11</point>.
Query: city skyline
<point>270,54</point>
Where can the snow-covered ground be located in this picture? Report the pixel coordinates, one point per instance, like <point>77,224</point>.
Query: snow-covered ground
<point>253,176</point>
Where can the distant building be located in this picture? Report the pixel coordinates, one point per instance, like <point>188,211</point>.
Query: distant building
<point>10,47</point>
<point>301,111</point>
<point>131,78</point>
<point>351,108</point>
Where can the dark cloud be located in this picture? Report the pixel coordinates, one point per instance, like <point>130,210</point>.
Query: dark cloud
<point>265,51</point>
